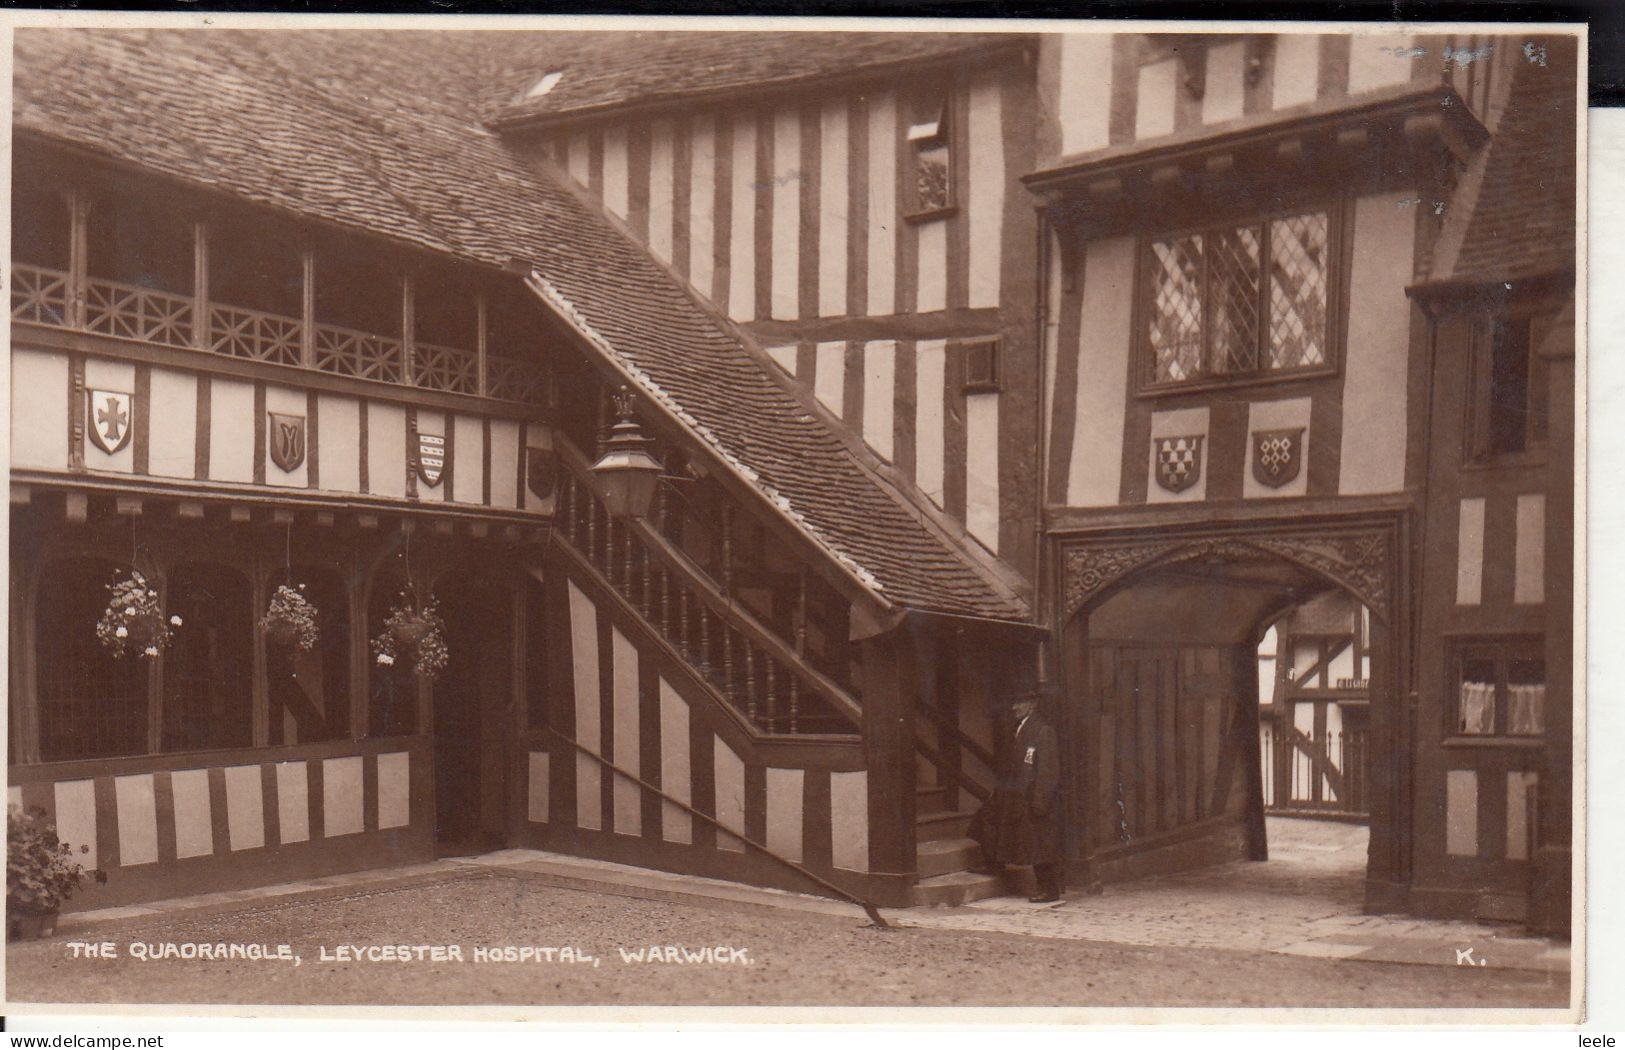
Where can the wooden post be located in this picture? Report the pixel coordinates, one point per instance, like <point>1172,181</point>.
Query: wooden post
<point>408,332</point>
<point>481,347</point>
<point>889,677</point>
<point>200,285</point>
<point>307,327</point>
<point>78,255</point>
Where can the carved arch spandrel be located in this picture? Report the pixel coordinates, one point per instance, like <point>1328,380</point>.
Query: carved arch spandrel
<point>1360,561</point>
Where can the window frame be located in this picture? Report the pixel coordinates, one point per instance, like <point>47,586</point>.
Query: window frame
<point>941,98</point>
<point>1503,650</point>
<point>1338,265</point>
<point>1476,449</point>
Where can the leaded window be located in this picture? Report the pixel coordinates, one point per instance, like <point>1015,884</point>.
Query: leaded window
<point>1239,301</point>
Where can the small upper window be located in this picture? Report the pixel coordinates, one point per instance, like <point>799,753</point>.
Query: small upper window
<point>1237,302</point>
<point>929,141</point>
<point>1511,389</point>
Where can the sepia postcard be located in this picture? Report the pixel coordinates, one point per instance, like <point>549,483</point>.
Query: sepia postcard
<point>1016,520</point>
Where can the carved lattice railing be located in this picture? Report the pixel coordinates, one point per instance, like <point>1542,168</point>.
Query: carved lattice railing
<point>127,311</point>
<point>348,352</point>
<point>132,312</point>
<point>39,295</point>
<point>255,334</point>
<point>445,368</point>
<point>759,674</point>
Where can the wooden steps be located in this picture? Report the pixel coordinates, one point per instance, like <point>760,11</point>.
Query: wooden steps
<point>944,854</point>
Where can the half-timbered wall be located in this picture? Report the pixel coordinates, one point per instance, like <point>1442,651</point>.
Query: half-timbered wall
<point>798,217</point>
<point>617,690</point>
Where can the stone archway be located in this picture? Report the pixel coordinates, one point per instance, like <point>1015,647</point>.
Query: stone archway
<point>1109,570</point>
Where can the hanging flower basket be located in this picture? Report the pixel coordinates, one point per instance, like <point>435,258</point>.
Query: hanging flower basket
<point>40,874</point>
<point>133,623</point>
<point>290,620</point>
<point>413,638</point>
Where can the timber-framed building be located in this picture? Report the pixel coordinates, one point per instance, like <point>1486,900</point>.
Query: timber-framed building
<point>971,363</point>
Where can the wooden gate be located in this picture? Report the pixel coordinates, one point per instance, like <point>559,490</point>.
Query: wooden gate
<point>1173,749</point>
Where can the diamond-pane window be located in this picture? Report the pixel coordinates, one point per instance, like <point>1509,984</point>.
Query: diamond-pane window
<point>1239,301</point>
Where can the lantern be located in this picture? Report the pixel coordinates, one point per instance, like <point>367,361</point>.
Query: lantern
<point>626,471</point>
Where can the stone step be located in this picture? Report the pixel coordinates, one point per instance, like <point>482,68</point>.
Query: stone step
<point>960,887</point>
<point>930,799</point>
<point>930,827</point>
<point>946,856</point>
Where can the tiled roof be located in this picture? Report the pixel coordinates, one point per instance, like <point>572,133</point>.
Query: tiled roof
<point>602,70</point>
<point>393,149</point>
<point>1519,199</point>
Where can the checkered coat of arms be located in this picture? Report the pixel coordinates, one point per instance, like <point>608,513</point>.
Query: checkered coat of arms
<point>1277,455</point>
<point>1179,462</point>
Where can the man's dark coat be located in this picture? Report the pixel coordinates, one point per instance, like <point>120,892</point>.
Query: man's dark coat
<point>1021,823</point>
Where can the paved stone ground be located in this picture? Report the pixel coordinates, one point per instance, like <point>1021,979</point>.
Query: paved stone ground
<point>774,957</point>
<point>1305,900</point>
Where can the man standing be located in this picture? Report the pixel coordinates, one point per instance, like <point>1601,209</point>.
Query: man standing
<point>1021,824</point>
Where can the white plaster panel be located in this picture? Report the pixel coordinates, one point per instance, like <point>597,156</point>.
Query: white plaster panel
<point>468,460</point>
<point>338,443</point>
<point>628,809</point>
<point>930,360</point>
<point>784,357</point>
<point>245,807</point>
<point>616,185</point>
<point>676,774</point>
<point>76,820</point>
<point>584,667</point>
<point>1379,329</point>
<point>982,468</point>
<point>39,410</point>
<point>1154,103</point>
<point>879,394</point>
<point>661,189</point>
<point>1461,813</point>
<point>1529,553</point>
<point>931,241</point>
<point>829,376</point>
<point>172,426</point>
<point>386,449</point>
<point>1470,552</point>
<point>882,205</point>
<point>231,430</point>
<point>786,193</point>
<point>742,221</point>
<point>194,832</point>
<point>985,174</point>
<point>784,812</point>
<point>504,463</point>
<point>137,807</point>
<point>729,775</point>
<point>702,192</point>
<point>394,789</point>
<point>341,796</point>
<point>849,820</point>
<point>833,208</point>
<point>293,801</point>
<point>1378,60</point>
<point>1297,69</point>
<point>1085,108</point>
<point>1094,476</point>
<point>1224,94</point>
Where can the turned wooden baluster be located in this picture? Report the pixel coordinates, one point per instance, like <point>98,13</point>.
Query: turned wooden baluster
<point>592,531</point>
<point>770,671</point>
<point>795,700</point>
<point>727,659</point>
<point>750,681</point>
<point>665,603</point>
<point>705,637</point>
<point>685,636</point>
<point>626,560</point>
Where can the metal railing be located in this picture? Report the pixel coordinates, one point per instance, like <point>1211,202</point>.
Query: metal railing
<point>1305,772</point>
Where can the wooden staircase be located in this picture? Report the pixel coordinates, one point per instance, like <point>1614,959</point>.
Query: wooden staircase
<point>944,854</point>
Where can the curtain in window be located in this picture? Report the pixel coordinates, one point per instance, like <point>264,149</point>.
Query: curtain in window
<point>1526,704</point>
<point>1477,707</point>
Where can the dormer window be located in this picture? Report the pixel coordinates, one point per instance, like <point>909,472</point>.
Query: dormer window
<point>931,158</point>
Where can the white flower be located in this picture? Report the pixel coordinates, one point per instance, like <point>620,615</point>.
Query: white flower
<point>152,650</point>
<point>122,632</point>
<point>129,610</point>
<point>385,660</point>
<point>175,621</point>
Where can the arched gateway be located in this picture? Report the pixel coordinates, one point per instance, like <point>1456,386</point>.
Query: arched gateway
<point>1159,680</point>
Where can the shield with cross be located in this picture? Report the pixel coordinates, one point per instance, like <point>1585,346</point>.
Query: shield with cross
<point>110,419</point>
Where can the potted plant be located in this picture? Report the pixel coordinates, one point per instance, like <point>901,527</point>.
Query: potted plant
<point>290,620</point>
<point>40,874</point>
<point>133,622</point>
<point>413,637</point>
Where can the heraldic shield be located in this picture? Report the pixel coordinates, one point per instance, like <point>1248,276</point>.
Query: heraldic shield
<point>431,458</point>
<point>110,419</point>
<point>1179,462</point>
<point>287,441</point>
<point>1277,455</point>
<point>541,471</point>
